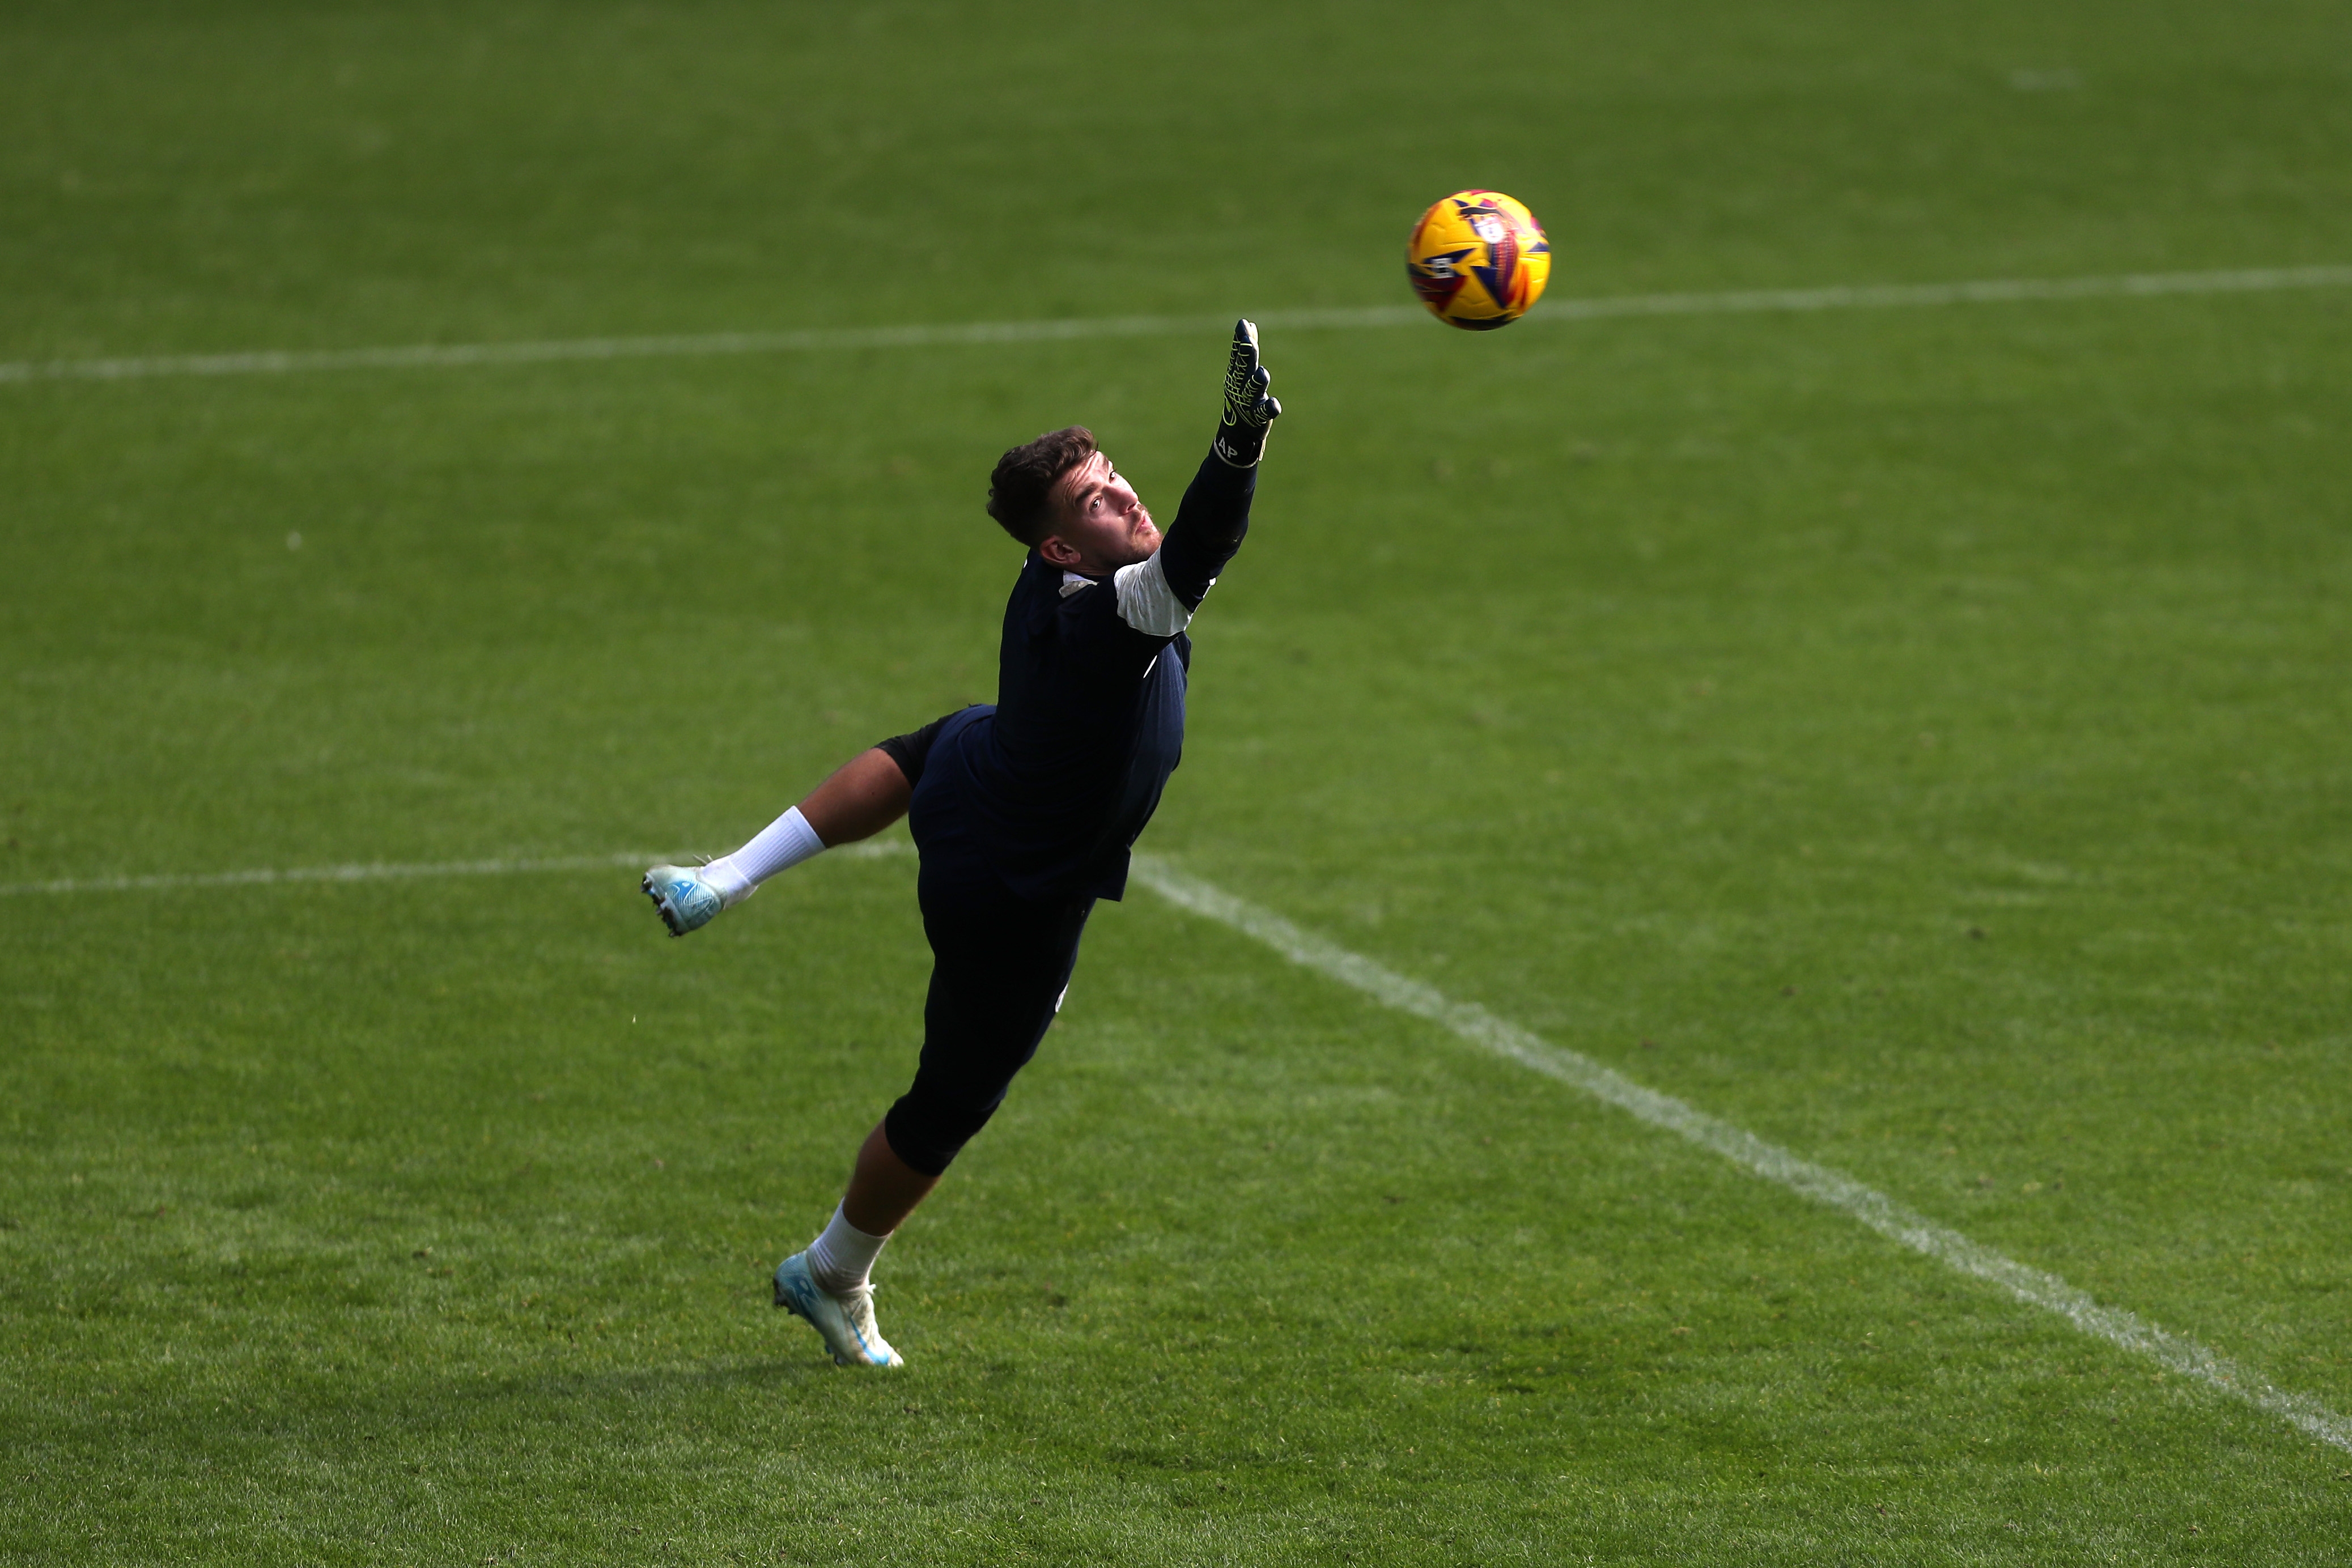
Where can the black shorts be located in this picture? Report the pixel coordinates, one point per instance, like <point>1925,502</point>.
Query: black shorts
<point>1000,966</point>
<point>912,750</point>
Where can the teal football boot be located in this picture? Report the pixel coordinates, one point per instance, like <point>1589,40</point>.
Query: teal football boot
<point>685,897</point>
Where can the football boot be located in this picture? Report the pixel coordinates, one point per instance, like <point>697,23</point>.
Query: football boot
<point>844,1322</point>
<point>685,897</point>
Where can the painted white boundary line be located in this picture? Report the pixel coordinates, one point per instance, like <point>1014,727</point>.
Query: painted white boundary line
<point>380,871</point>
<point>2244,280</point>
<point>1882,1214</point>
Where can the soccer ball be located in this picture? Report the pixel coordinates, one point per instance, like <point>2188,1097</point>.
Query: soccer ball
<point>1478,260</point>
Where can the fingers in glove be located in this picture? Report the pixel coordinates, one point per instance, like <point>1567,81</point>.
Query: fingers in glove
<point>1260,404</point>
<point>1241,368</point>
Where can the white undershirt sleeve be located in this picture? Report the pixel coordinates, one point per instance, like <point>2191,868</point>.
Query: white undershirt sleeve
<point>1146,602</point>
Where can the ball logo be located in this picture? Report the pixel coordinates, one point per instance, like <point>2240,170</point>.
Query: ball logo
<point>1438,278</point>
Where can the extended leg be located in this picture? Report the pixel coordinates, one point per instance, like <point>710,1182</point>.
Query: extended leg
<point>864,796</point>
<point>1001,965</point>
<point>883,1188</point>
<point>830,1284</point>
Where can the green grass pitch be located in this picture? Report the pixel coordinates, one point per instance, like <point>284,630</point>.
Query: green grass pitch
<point>1917,737</point>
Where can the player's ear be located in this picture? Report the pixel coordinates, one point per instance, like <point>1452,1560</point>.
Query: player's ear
<point>1057,551</point>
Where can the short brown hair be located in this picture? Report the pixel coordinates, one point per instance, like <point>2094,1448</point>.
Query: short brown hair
<point>1020,491</point>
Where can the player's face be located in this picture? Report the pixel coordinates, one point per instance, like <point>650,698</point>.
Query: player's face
<point>1104,524</point>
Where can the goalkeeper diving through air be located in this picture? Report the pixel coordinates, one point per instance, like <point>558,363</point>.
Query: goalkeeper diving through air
<point>1024,810</point>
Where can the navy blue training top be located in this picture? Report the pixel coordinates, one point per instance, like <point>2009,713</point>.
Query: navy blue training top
<point>1052,785</point>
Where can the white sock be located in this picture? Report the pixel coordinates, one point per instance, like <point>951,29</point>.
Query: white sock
<point>781,845</point>
<point>842,1260</point>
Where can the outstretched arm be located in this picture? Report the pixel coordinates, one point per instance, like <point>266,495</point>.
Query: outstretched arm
<point>1207,533</point>
<point>1158,596</point>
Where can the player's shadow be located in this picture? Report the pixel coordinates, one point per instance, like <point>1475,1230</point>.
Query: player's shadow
<point>430,1413</point>
<point>779,1373</point>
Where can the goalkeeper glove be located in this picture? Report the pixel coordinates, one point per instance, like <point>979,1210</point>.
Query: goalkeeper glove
<point>1250,409</point>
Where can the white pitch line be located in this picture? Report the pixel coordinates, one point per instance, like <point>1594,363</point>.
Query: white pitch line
<point>377,871</point>
<point>1867,296</point>
<point>1474,1023</point>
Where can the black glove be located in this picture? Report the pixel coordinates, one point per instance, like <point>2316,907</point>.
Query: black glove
<point>1250,409</point>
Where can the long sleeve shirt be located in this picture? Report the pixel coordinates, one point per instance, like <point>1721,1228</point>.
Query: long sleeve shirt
<point>1054,785</point>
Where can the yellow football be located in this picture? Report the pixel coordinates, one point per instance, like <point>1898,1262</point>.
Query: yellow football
<point>1478,260</point>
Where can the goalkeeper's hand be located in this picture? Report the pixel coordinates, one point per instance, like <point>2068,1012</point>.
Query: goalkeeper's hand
<point>1250,409</point>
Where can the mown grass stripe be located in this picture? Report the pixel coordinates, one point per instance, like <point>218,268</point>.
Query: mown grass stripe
<point>2034,1287</point>
<point>380,871</point>
<point>1862,296</point>
<point>1474,1023</point>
